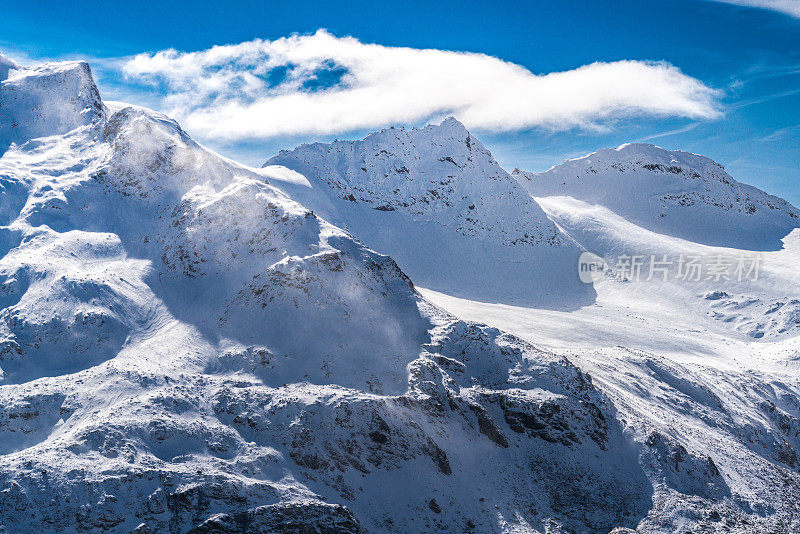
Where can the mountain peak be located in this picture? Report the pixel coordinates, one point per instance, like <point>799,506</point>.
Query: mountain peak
<point>49,99</point>
<point>437,173</point>
<point>643,153</point>
<point>6,64</point>
<point>673,192</point>
<point>451,124</point>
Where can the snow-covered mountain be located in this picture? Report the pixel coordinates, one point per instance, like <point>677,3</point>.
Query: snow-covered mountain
<point>671,192</point>
<point>6,64</point>
<point>436,200</point>
<point>439,174</point>
<point>186,348</point>
<point>33,100</point>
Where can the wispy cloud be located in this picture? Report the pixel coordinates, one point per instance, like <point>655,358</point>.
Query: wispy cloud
<point>789,7</point>
<point>323,84</point>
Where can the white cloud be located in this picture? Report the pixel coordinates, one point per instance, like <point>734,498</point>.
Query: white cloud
<point>790,7</point>
<point>322,84</point>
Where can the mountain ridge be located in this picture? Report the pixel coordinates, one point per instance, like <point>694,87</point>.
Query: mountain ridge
<point>673,192</point>
<point>427,176</point>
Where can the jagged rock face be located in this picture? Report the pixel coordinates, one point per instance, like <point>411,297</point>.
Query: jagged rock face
<point>428,195</point>
<point>456,445</point>
<point>671,192</point>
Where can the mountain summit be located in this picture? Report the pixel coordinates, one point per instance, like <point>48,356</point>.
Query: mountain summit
<point>52,99</point>
<point>436,174</point>
<point>671,192</point>
<point>6,64</point>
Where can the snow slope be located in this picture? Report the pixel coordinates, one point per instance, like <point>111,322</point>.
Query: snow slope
<point>673,193</point>
<point>711,362</point>
<point>437,201</point>
<point>725,387</point>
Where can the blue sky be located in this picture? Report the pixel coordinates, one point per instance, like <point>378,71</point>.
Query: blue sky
<point>718,78</point>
